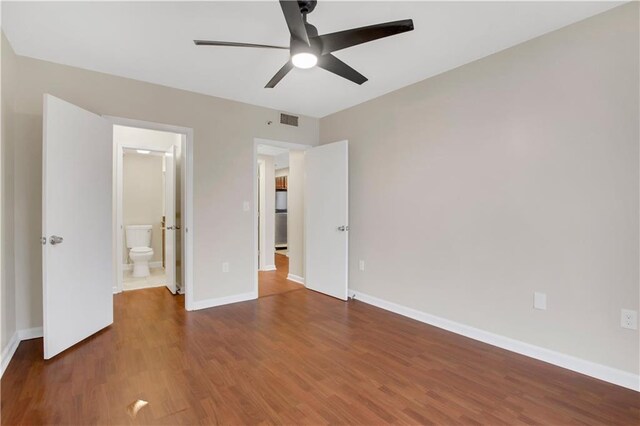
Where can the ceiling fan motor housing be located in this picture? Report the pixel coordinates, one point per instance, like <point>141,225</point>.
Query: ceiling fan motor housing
<point>307,6</point>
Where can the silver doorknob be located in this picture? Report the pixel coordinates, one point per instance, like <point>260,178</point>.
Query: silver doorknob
<point>343,228</point>
<point>169,228</point>
<point>55,240</point>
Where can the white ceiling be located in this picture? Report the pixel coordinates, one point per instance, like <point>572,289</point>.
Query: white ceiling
<point>154,140</point>
<point>152,41</point>
<point>280,155</point>
<point>271,150</point>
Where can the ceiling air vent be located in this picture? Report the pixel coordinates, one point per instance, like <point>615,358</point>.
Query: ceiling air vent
<point>289,120</point>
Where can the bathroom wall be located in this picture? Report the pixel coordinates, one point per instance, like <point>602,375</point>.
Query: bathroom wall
<point>143,196</point>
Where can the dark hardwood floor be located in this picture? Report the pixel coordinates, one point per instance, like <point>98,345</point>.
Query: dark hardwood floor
<point>294,358</point>
<point>276,282</point>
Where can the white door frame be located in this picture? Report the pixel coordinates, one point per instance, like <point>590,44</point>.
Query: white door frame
<point>187,201</point>
<point>262,215</point>
<point>169,204</point>
<point>279,144</point>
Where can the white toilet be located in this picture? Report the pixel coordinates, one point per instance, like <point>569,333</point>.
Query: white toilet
<point>140,251</point>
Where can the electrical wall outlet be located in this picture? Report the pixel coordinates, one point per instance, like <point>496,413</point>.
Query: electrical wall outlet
<point>629,319</point>
<point>225,266</point>
<point>361,265</point>
<point>540,301</point>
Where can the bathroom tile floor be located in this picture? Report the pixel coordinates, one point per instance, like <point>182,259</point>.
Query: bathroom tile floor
<point>156,279</point>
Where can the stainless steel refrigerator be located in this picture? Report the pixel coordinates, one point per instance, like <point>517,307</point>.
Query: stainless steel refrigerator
<point>281,218</point>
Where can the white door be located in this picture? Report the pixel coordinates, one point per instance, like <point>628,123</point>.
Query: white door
<point>326,207</point>
<point>170,219</point>
<point>77,263</point>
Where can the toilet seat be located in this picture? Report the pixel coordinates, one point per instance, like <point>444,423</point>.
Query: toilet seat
<point>141,250</point>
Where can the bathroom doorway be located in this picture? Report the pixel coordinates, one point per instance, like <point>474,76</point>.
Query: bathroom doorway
<point>152,206</point>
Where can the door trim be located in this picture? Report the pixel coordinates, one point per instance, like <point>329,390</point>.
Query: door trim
<point>187,201</point>
<point>262,215</point>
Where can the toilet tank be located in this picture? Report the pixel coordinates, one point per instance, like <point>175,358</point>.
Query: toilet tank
<point>138,235</point>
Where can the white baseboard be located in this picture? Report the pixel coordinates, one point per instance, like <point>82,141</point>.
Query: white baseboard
<point>599,371</point>
<point>219,301</point>
<point>30,333</point>
<point>8,352</point>
<point>295,278</point>
<point>268,268</point>
<point>152,265</point>
<point>10,349</point>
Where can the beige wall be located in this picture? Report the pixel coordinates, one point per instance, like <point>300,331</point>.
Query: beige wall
<point>143,197</point>
<point>295,213</point>
<point>7,287</point>
<point>224,132</point>
<point>513,174</point>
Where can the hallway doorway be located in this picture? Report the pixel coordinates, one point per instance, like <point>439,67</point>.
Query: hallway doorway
<point>279,216</point>
<point>276,282</point>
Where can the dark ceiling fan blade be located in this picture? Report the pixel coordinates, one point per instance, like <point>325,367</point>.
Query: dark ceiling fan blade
<point>294,19</point>
<point>336,66</point>
<point>234,44</point>
<point>343,39</point>
<point>279,75</point>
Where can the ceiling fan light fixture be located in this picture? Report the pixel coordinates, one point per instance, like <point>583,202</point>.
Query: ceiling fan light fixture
<point>307,48</point>
<point>304,60</point>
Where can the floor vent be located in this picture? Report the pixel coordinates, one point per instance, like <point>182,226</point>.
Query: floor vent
<point>289,120</point>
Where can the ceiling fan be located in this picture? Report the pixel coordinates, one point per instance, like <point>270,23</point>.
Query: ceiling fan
<point>308,49</point>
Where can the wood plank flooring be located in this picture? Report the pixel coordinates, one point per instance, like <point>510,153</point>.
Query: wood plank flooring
<point>276,282</point>
<point>294,358</point>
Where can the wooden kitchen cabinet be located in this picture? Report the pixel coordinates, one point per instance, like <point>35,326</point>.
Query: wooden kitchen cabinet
<point>281,183</point>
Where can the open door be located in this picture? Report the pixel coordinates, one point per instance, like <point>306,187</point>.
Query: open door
<point>170,219</point>
<point>327,219</point>
<point>77,262</point>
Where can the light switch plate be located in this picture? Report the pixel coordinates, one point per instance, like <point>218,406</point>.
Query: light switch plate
<point>361,265</point>
<point>225,267</point>
<point>245,206</point>
<point>540,301</point>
